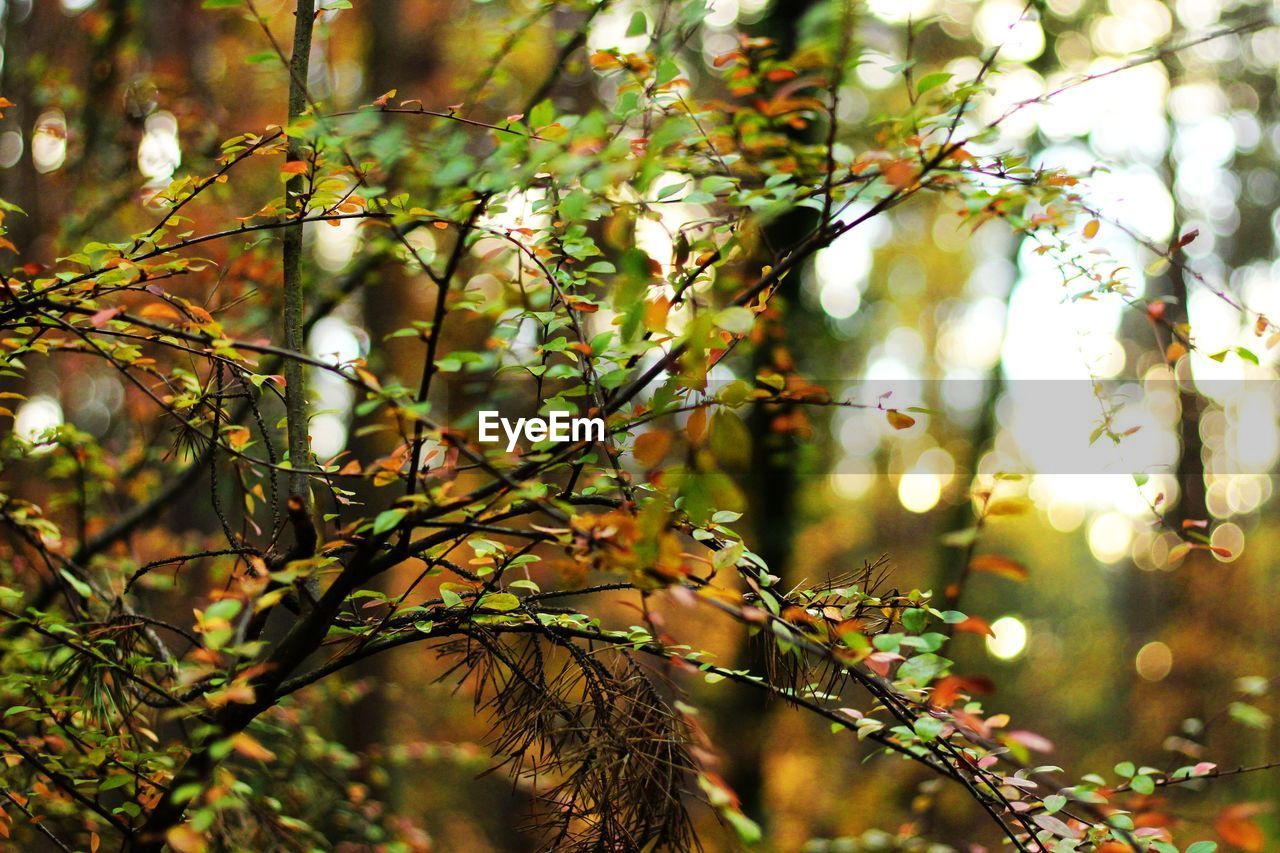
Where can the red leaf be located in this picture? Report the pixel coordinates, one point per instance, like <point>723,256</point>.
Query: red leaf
<point>100,319</point>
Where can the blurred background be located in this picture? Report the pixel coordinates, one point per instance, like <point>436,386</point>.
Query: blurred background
<point>1113,644</point>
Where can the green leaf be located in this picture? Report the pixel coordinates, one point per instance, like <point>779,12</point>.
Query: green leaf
<point>1203,847</point>
<point>388,519</point>
<point>1248,715</point>
<point>638,26</point>
<point>225,608</point>
<point>922,669</point>
<point>736,320</point>
<point>543,114</point>
<point>219,4</point>
<point>669,190</point>
<point>113,782</point>
<point>748,830</point>
<point>524,583</point>
<point>928,728</point>
<point>78,585</point>
<point>932,81</point>
<point>960,538</point>
<point>1125,769</point>
<point>500,601</point>
<point>1144,784</point>
<point>1054,803</point>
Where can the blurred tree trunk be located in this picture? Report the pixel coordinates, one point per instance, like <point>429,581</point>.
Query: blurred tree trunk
<point>772,485</point>
<point>28,28</point>
<point>404,41</point>
<point>1190,597</point>
<point>102,104</point>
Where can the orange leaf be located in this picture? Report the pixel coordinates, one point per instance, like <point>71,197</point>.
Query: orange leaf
<point>651,447</point>
<point>997,565</point>
<point>294,167</point>
<point>159,311</point>
<point>898,420</point>
<point>1233,824</point>
<point>655,314</point>
<point>1091,229</point>
<point>899,173</point>
<point>696,426</point>
<point>602,61</point>
<point>1174,352</point>
<point>199,315</point>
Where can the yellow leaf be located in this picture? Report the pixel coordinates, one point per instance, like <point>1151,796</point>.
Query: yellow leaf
<point>184,839</point>
<point>1091,229</point>
<point>245,744</point>
<point>1008,506</point>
